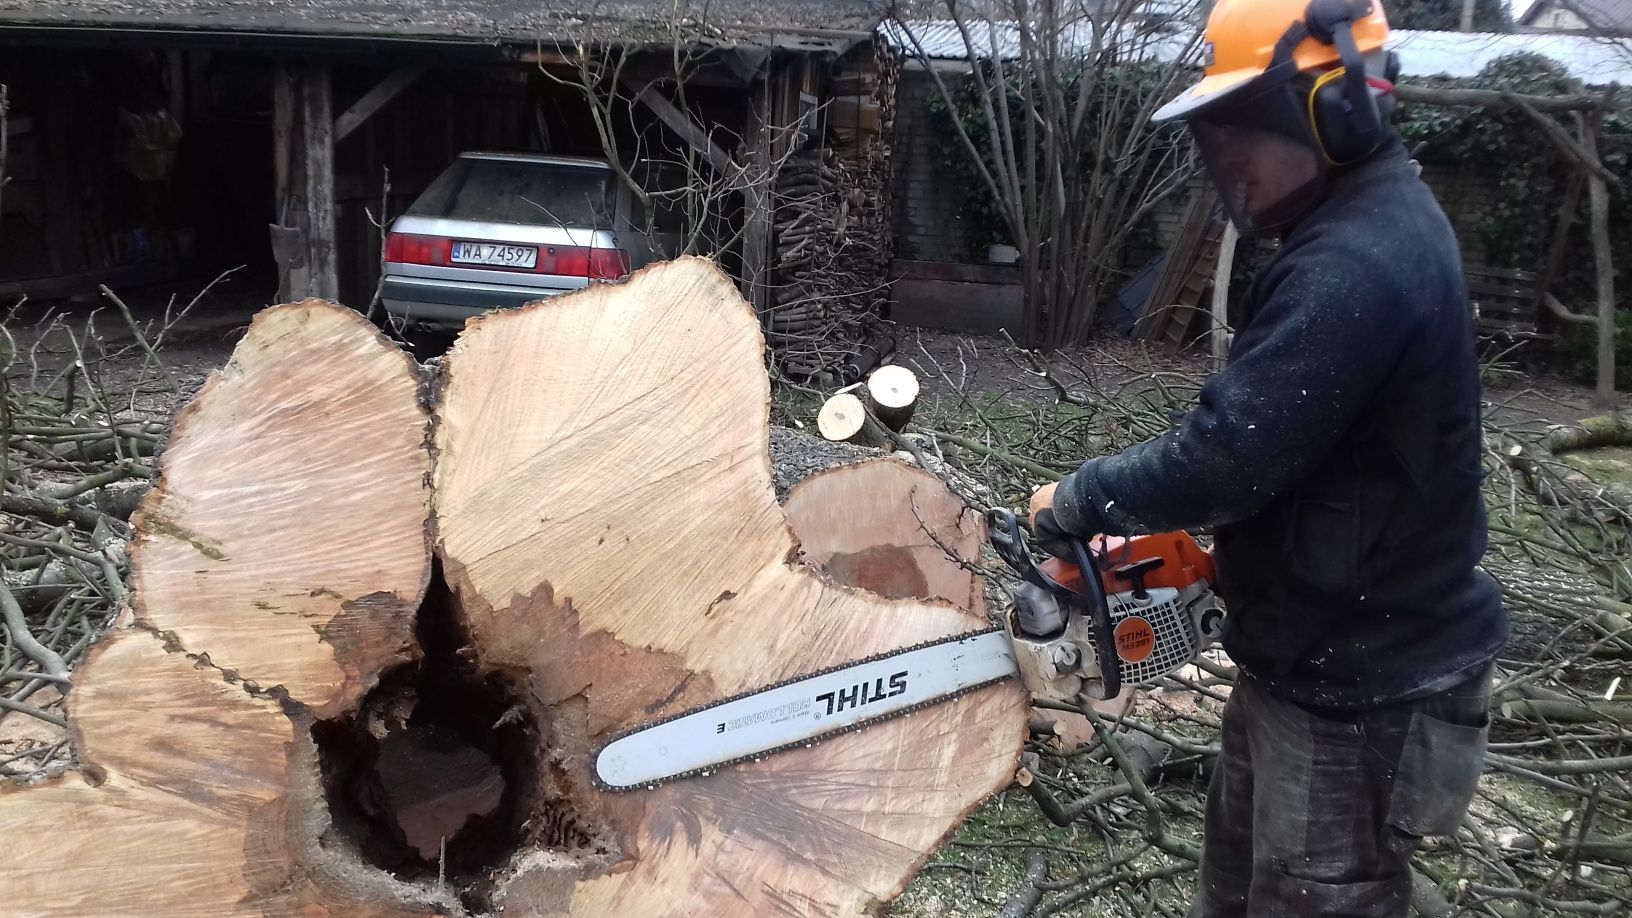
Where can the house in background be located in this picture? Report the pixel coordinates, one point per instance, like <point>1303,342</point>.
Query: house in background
<point>157,142</point>
<point>1600,17</point>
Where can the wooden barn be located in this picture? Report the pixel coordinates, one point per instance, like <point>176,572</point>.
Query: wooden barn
<point>162,141</point>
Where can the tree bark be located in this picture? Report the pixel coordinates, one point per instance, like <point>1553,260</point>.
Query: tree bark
<point>281,732</point>
<point>1598,225</point>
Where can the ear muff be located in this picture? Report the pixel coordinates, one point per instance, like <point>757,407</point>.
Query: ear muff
<point>1343,111</point>
<point>1331,115</point>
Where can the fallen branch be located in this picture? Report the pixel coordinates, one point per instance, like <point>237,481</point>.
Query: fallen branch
<point>48,659</point>
<point>1023,901</point>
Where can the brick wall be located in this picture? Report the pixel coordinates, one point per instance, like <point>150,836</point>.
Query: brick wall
<point>1466,197</point>
<point>928,226</point>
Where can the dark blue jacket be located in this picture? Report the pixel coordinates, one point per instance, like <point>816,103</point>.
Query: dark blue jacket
<point>1337,456</point>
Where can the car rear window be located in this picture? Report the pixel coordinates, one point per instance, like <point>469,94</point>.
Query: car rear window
<point>504,191</point>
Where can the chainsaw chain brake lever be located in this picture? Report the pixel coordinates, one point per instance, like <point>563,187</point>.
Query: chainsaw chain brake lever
<point>1009,539</point>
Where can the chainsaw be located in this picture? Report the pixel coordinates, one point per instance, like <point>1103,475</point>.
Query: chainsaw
<point>1116,612</point>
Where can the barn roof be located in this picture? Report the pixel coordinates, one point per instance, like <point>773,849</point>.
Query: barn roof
<point>493,22</point>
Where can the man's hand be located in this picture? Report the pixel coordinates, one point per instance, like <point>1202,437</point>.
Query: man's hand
<point>1041,499</point>
<point>1050,537</point>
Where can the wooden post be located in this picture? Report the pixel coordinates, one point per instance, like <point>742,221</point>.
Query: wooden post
<point>283,133</point>
<point>64,246</point>
<point>757,206</point>
<point>1221,290</point>
<point>1466,25</point>
<point>177,76</point>
<point>317,127</point>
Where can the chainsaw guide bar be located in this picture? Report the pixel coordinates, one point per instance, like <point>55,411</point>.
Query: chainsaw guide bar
<point>798,713</point>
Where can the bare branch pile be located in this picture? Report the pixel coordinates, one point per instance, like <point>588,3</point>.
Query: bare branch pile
<point>81,418</point>
<point>1113,827</point>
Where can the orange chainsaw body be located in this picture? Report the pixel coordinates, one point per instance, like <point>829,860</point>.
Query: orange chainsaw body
<point>1184,562</point>
<point>1159,592</point>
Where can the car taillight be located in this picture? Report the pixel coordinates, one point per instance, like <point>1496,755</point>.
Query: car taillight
<point>608,264</point>
<point>565,261</point>
<point>406,248</point>
<point>577,261</point>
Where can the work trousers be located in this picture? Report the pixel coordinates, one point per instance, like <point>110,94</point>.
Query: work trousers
<point>1318,812</point>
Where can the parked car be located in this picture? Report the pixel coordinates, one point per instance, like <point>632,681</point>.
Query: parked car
<point>498,230</point>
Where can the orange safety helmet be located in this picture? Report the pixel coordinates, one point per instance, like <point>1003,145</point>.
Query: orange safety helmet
<point>1245,41</point>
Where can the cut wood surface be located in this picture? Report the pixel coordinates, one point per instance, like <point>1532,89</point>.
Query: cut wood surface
<point>286,536</point>
<point>888,527</point>
<point>278,563</point>
<point>611,532</point>
<point>280,732</point>
<point>892,395</point>
<point>898,531</point>
<point>843,419</point>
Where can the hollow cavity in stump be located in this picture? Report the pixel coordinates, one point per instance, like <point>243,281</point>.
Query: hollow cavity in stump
<point>433,775</point>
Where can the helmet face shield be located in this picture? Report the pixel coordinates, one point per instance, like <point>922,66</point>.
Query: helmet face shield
<point>1262,157</point>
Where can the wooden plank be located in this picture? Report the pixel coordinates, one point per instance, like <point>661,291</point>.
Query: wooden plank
<point>283,133</point>
<point>1181,256</point>
<point>1221,291</point>
<point>1500,288</point>
<point>317,126</point>
<point>374,100</point>
<point>683,125</point>
<point>756,228</point>
<point>1492,271</point>
<point>57,286</point>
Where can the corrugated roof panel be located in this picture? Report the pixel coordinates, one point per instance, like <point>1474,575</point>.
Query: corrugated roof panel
<point>1597,61</point>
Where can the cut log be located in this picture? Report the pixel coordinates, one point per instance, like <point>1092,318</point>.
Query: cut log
<point>843,419</point>
<point>892,394</point>
<point>868,356</point>
<point>278,563</point>
<point>613,534</point>
<point>888,527</point>
<point>281,733</point>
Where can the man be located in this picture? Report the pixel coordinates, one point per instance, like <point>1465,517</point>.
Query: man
<point>1337,456</point>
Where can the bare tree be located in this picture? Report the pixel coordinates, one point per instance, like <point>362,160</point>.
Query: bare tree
<point>691,180</point>
<point>1055,113</point>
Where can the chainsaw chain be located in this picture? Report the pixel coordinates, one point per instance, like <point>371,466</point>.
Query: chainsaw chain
<point>796,744</point>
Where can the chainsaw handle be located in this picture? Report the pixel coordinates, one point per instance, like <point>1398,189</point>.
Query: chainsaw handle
<point>1009,540</point>
<point>1099,608</point>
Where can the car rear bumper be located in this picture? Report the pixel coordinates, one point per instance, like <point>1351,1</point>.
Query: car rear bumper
<point>450,303</point>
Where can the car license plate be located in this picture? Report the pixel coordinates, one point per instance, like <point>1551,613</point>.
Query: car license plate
<point>495,255</point>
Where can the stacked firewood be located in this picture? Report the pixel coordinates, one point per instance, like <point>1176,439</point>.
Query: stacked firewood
<point>832,247</point>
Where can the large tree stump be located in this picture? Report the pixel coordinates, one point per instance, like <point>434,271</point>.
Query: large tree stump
<point>278,563</point>
<point>282,733</point>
